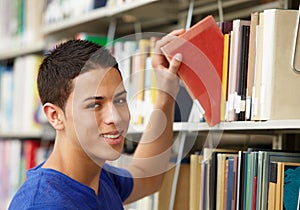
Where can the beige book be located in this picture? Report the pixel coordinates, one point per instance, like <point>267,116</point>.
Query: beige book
<point>195,181</point>
<point>251,62</point>
<point>258,70</point>
<point>280,95</point>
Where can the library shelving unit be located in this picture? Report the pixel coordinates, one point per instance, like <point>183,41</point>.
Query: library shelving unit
<point>137,16</point>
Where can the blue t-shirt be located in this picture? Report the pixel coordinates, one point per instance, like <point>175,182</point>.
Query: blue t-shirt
<point>49,189</point>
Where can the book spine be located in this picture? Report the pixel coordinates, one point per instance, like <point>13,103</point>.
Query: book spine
<point>243,72</point>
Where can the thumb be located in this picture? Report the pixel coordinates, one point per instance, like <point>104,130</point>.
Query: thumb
<point>175,63</point>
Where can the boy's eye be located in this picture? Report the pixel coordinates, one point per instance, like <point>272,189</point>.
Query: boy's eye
<point>94,105</point>
<point>120,100</point>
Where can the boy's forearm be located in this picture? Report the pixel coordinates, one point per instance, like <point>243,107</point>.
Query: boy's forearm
<point>153,152</point>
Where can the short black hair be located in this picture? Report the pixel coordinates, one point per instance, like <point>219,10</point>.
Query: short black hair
<point>64,63</point>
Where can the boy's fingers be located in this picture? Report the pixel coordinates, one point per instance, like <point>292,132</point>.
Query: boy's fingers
<point>169,37</point>
<point>175,63</point>
<point>177,32</point>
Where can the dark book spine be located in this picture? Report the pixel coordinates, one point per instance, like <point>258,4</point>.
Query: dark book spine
<point>243,71</point>
<point>273,172</point>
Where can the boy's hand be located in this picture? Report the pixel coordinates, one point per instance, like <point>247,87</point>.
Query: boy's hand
<point>159,61</point>
<point>167,80</point>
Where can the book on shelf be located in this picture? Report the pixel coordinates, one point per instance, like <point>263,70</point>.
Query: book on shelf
<point>234,102</point>
<point>32,21</point>
<point>255,109</point>
<point>241,178</point>
<point>19,97</point>
<point>144,53</point>
<point>204,187</point>
<point>59,11</point>
<point>278,77</point>
<point>264,160</point>
<point>237,179</point>
<point>134,59</point>
<point>183,105</point>
<point>100,3</point>
<point>195,181</point>
<point>201,68</point>
<point>220,186</point>
<point>6,99</point>
<point>260,71</point>
<point>250,179</point>
<point>284,185</point>
<point>212,175</point>
<point>20,27</point>
<point>182,196</point>
<point>226,28</point>
<point>251,63</point>
<point>231,182</point>
<point>25,70</point>
<point>243,73</point>
<point>224,96</point>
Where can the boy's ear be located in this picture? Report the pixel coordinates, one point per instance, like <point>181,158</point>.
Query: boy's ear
<point>54,115</point>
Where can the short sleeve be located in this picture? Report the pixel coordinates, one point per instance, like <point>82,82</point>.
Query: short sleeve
<point>121,178</point>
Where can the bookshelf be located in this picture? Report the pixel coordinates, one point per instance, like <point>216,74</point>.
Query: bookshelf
<point>22,135</point>
<point>153,15</point>
<point>280,126</point>
<point>103,15</point>
<point>20,51</point>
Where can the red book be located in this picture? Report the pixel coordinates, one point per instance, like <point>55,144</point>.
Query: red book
<point>30,150</point>
<point>254,193</point>
<point>201,68</point>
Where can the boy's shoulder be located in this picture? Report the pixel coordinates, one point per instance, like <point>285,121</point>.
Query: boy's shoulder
<point>44,187</point>
<point>47,188</point>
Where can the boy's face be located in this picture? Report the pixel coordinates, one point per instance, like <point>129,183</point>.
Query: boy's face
<point>97,114</point>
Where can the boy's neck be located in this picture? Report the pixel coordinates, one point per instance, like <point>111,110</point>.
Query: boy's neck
<point>78,167</point>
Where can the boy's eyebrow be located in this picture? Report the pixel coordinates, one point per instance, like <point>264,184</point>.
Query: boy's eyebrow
<point>121,93</point>
<point>94,98</point>
<point>101,97</point>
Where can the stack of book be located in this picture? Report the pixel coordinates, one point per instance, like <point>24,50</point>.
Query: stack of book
<point>20,107</point>
<point>242,69</point>
<point>252,179</point>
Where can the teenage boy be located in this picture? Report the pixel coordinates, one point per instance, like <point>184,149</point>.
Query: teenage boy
<point>84,99</point>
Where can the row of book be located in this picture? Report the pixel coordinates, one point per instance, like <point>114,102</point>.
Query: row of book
<point>58,10</point>
<point>237,70</point>
<point>259,68</point>
<point>253,179</point>
<point>20,108</point>
<point>134,58</point>
<point>20,25</point>
<point>17,156</point>
<point>228,67</point>
<point>242,69</point>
